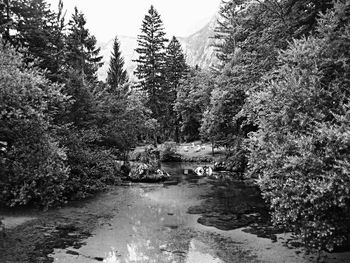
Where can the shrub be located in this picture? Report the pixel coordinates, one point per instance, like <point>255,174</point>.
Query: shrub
<point>34,166</point>
<point>168,153</point>
<point>92,168</point>
<point>301,152</point>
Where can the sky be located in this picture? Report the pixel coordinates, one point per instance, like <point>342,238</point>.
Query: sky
<point>108,18</point>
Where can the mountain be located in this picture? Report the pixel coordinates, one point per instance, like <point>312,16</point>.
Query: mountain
<point>197,48</point>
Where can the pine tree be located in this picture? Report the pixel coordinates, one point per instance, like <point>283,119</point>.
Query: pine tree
<point>56,64</point>
<point>117,75</point>
<point>26,24</point>
<point>150,68</point>
<point>36,31</point>
<point>83,56</point>
<point>175,70</point>
<point>225,43</point>
<point>176,66</point>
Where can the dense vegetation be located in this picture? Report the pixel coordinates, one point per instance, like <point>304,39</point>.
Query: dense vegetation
<point>277,101</point>
<point>62,131</point>
<point>283,88</point>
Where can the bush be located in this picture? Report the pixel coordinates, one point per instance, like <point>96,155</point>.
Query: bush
<point>92,168</point>
<point>34,168</point>
<point>301,152</point>
<point>168,153</point>
<point>44,162</point>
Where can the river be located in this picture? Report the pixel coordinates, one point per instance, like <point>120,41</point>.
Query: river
<point>153,224</point>
<point>187,219</point>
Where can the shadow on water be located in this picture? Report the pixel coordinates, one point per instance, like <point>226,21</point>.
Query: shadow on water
<point>229,203</point>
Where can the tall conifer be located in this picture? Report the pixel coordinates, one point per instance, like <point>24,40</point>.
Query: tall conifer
<point>83,55</point>
<point>175,70</point>
<point>117,75</point>
<point>151,50</point>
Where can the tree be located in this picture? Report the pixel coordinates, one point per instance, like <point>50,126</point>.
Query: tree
<point>82,54</point>
<point>57,46</point>
<point>301,151</point>
<point>52,135</point>
<point>192,101</point>
<point>34,163</point>
<point>249,37</point>
<point>117,75</point>
<point>150,63</point>
<point>218,123</point>
<point>37,32</point>
<point>175,69</point>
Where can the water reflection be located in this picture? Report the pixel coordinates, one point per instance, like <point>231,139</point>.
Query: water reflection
<point>182,173</point>
<point>112,257</point>
<point>230,204</point>
<point>198,252</point>
<point>152,223</point>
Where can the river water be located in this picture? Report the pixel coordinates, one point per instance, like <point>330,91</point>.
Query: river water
<point>188,219</point>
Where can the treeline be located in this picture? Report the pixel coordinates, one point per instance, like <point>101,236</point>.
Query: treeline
<point>61,130</point>
<point>278,101</point>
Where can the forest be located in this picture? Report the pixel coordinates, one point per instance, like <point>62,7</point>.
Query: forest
<point>277,101</point>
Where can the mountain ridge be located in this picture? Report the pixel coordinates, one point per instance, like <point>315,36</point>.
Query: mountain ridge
<point>197,48</point>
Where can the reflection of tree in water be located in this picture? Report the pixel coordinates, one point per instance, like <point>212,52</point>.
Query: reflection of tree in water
<point>149,235</point>
<point>112,257</point>
<point>199,252</point>
<point>231,204</point>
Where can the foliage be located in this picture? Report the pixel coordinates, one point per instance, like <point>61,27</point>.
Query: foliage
<point>218,124</point>
<point>82,54</point>
<point>192,100</point>
<point>35,168</point>
<point>248,38</point>
<point>93,168</point>
<point>125,119</point>
<point>261,28</point>
<point>301,151</point>
<point>117,75</point>
<point>150,63</point>
<point>60,141</point>
<point>37,32</point>
<point>168,152</point>
<point>175,70</point>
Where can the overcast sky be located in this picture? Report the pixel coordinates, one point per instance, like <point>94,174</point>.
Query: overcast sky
<point>107,18</point>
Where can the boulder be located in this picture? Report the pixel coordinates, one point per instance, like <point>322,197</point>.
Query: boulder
<point>220,166</point>
<point>142,172</point>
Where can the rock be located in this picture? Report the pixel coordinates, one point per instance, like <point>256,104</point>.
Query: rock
<point>141,172</point>
<point>220,166</point>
